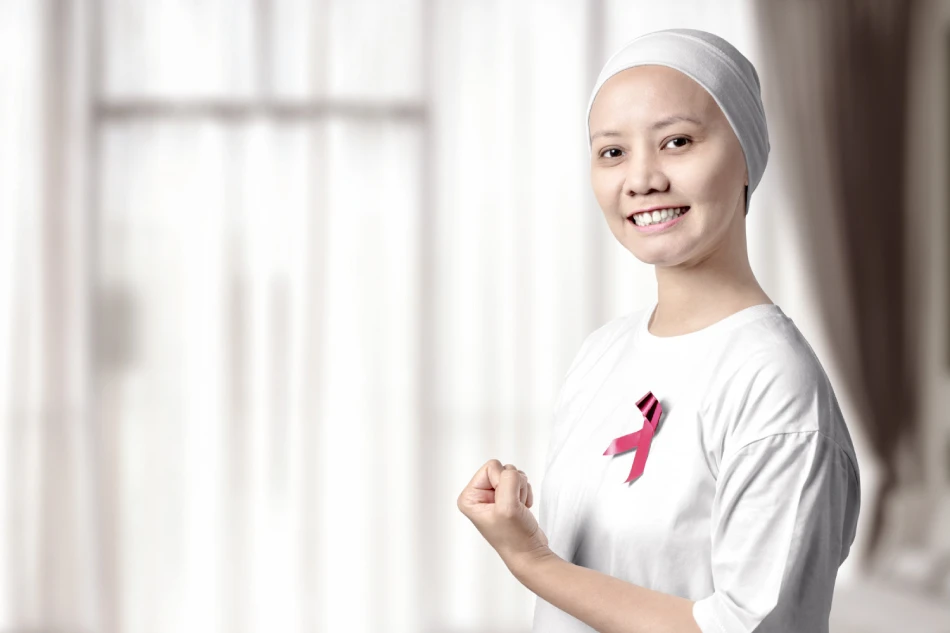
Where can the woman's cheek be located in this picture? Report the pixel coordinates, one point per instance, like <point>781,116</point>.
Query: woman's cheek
<point>603,191</point>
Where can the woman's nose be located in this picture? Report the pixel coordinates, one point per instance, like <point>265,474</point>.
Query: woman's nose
<point>645,174</point>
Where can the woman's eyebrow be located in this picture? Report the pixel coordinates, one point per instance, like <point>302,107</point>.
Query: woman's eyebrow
<point>675,118</point>
<point>664,122</point>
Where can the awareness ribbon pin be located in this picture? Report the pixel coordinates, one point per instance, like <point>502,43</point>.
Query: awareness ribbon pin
<point>652,410</point>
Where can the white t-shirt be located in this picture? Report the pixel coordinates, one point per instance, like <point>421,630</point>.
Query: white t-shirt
<point>749,499</point>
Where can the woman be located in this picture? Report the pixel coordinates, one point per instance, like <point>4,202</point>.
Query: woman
<point>743,494</point>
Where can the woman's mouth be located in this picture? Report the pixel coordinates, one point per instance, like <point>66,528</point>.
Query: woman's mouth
<point>651,222</point>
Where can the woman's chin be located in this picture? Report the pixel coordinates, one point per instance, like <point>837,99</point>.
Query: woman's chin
<point>663,262</point>
<point>654,257</point>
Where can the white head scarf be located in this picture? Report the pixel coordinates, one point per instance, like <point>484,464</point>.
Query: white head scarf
<point>717,66</point>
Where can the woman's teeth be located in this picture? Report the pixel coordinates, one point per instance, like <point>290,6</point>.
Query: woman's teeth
<point>657,217</point>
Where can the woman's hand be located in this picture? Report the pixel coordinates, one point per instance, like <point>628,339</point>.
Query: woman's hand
<point>496,500</point>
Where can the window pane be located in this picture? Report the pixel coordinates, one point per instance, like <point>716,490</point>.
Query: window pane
<point>375,49</point>
<point>234,261</point>
<point>178,48</point>
<point>353,49</point>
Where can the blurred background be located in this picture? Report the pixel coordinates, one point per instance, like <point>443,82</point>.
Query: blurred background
<point>277,277</point>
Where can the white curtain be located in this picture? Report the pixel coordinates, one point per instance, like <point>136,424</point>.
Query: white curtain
<point>277,278</point>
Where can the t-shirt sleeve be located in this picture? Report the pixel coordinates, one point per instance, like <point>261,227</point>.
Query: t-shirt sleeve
<point>783,520</point>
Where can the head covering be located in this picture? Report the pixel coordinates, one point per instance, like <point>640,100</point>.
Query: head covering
<point>717,66</point>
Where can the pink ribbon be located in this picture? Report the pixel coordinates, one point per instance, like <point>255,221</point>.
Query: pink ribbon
<point>652,410</point>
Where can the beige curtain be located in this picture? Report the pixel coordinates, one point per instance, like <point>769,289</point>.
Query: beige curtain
<point>839,74</point>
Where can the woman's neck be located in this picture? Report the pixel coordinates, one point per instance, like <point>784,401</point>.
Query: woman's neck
<point>692,299</point>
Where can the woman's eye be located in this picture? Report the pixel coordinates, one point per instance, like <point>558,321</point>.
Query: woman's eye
<point>679,138</point>
<point>604,153</point>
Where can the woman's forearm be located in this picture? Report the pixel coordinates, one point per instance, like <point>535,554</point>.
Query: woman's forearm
<point>605,603</point>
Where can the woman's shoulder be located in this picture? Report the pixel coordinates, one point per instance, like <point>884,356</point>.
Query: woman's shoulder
<point>772,345</point>
<point>770,382</point>
<point>608,334</point>
<point>604,339</point>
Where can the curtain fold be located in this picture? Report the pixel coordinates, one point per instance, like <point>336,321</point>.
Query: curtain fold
<point>840,73</point>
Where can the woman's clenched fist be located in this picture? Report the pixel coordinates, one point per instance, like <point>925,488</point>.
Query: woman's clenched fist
<point>496,500</point>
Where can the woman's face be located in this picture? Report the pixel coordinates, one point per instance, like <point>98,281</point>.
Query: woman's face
<point>639,160</point>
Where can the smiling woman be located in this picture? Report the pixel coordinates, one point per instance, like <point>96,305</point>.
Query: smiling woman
<point>655,163</point>
<point>748,502</point>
